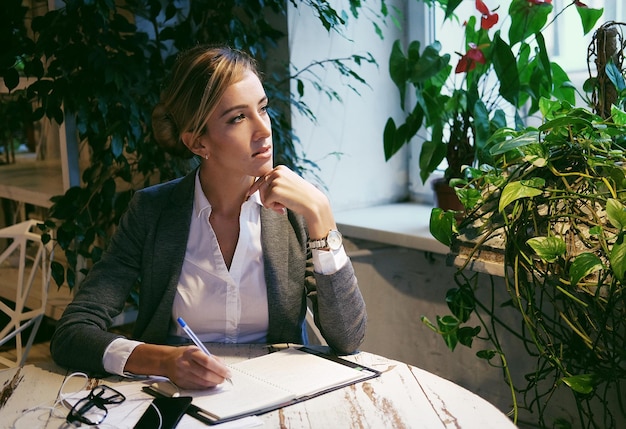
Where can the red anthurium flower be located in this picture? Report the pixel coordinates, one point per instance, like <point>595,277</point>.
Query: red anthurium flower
<point>482,7</point>
<point>488,19</point>
<point>580,4</point>
<point>540,1</point>
<point>469,60</point>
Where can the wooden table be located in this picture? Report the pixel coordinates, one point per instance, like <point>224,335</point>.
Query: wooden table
<point>403,396</point>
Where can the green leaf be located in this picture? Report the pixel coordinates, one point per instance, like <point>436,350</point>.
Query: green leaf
<point>527,138</point>
<point>583,265</point>
<point>547,107</point>
<point>505,67</point>
<point>117,145</point>
<point>448,327</point>
<point>469,197</point>
<point>615,75</point>
<point>486,354</point>
<point>618,115</point>
<point>451,6</point>
<point>616,213</point>
<point>562,88</point>
<point>11,78</point>
<point>429,324</point>
<point>547,248</point>
<point>461,302</point>
<point>481,125</point>
<point>398,70</point>
<point>429,64</point>
<point>589,17</point>
<point>432,153</point>
<point>536,154</point>
<point>618,257</point>
<point>441,225</point>
<point>583,383</point>
<point>392,141</point>
<point>527,18</point>
<point>568,122</point>
<point>467,334</point>
<point>514,191</point>
<point>58,272</point>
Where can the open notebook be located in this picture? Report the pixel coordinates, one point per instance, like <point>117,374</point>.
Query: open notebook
<point>273,381</point>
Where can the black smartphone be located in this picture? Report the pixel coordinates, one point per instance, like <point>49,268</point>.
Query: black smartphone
<point>164,412</point>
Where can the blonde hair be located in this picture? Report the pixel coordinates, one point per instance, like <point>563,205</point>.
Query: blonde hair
<point>196,84</point>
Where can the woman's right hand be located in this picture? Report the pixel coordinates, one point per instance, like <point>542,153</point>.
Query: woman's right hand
<point>187,366</point>
<point>190,368</point>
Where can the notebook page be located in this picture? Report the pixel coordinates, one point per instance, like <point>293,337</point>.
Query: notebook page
<point>247,394</point>
<point>298,371</point>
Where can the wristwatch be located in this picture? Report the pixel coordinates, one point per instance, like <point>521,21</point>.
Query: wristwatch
<point>332,241</point>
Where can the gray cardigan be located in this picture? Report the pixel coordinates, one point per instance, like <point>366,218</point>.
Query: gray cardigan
<point>149,244</point>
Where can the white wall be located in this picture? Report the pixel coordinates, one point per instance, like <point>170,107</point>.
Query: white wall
<point>359,176</point>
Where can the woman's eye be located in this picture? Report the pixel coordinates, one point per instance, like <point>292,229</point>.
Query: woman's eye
<point>238,118</point>
<point>264,108</point>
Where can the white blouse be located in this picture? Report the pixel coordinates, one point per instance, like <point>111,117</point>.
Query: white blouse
<point>218,304</point>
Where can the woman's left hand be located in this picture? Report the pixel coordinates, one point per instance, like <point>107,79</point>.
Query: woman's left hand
<point>281,189</point>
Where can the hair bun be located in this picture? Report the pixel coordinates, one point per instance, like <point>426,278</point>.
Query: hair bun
<point>166,132</point>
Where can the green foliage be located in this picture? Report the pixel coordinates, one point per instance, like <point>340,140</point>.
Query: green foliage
<point>460,113</point>
<point>101,64</point>
<point>555,196</point>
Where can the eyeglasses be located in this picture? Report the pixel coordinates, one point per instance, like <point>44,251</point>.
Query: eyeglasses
<point>91,410</point>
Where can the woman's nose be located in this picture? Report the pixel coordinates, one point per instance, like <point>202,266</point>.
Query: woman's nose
<point>263,125</point>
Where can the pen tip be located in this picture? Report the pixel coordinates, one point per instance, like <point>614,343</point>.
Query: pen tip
<point>181,322</point>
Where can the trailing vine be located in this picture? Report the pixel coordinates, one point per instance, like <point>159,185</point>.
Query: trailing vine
<point>555,200</point>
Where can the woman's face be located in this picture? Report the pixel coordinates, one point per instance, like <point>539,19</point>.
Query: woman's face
<point>239,132</point>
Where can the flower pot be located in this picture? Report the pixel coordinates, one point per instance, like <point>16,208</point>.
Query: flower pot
<point>445,197</point>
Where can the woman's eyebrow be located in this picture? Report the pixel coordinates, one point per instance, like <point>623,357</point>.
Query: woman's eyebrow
<point>241,106</point>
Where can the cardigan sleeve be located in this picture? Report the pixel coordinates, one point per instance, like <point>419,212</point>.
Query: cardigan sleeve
<point>81,337</point>
<point>339,308</point>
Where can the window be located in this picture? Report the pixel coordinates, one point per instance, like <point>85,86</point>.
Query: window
<point>565,41</point>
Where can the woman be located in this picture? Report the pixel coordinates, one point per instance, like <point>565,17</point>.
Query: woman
<point>235,248</point>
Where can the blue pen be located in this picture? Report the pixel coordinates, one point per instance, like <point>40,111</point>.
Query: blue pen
<point>196,340</point>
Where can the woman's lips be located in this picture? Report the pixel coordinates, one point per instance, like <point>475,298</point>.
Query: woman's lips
<point>265,151</point>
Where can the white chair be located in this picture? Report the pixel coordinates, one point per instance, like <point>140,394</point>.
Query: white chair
<point>24,267</point>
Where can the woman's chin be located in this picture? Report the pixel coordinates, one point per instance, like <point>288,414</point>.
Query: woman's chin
<point>265,168</point>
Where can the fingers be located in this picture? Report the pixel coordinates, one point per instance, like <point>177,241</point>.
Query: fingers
<point>256,185</point>
<point>193,369</point>
<point>280,189</point>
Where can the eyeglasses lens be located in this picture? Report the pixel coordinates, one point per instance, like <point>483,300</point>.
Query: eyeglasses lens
<point>91,410</point>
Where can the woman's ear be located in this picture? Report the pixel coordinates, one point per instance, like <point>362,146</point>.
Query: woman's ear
<point>194,144</point>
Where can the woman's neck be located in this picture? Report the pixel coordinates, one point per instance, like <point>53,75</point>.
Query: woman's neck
<point>225,194</point>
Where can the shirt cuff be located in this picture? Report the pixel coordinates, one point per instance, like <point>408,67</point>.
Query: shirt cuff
<point>328,262</point>
<point>116,355</point>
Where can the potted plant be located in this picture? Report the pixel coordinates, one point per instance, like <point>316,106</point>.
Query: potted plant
<point>554,197</point>
<point>101,63</point>
<point>457,108</point>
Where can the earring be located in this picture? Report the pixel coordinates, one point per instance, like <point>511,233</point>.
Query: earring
<point>206,156</point>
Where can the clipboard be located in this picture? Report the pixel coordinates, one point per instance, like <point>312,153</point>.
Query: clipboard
<point>271,382</point>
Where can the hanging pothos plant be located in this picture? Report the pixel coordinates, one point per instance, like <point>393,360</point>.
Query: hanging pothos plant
<point>555,197</point>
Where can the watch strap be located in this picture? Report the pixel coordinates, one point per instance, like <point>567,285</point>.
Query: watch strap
<point>317,244</point>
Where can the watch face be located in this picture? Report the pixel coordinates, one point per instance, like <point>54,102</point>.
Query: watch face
<point>334,239</point>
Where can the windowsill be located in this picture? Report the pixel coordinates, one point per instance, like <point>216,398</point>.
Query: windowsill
<point>400,224</point>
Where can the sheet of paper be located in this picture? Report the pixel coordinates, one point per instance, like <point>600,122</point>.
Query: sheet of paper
<point>126,414</point>
<point>246,394</point>
<point>299,372</point>
<point>272,381</point>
